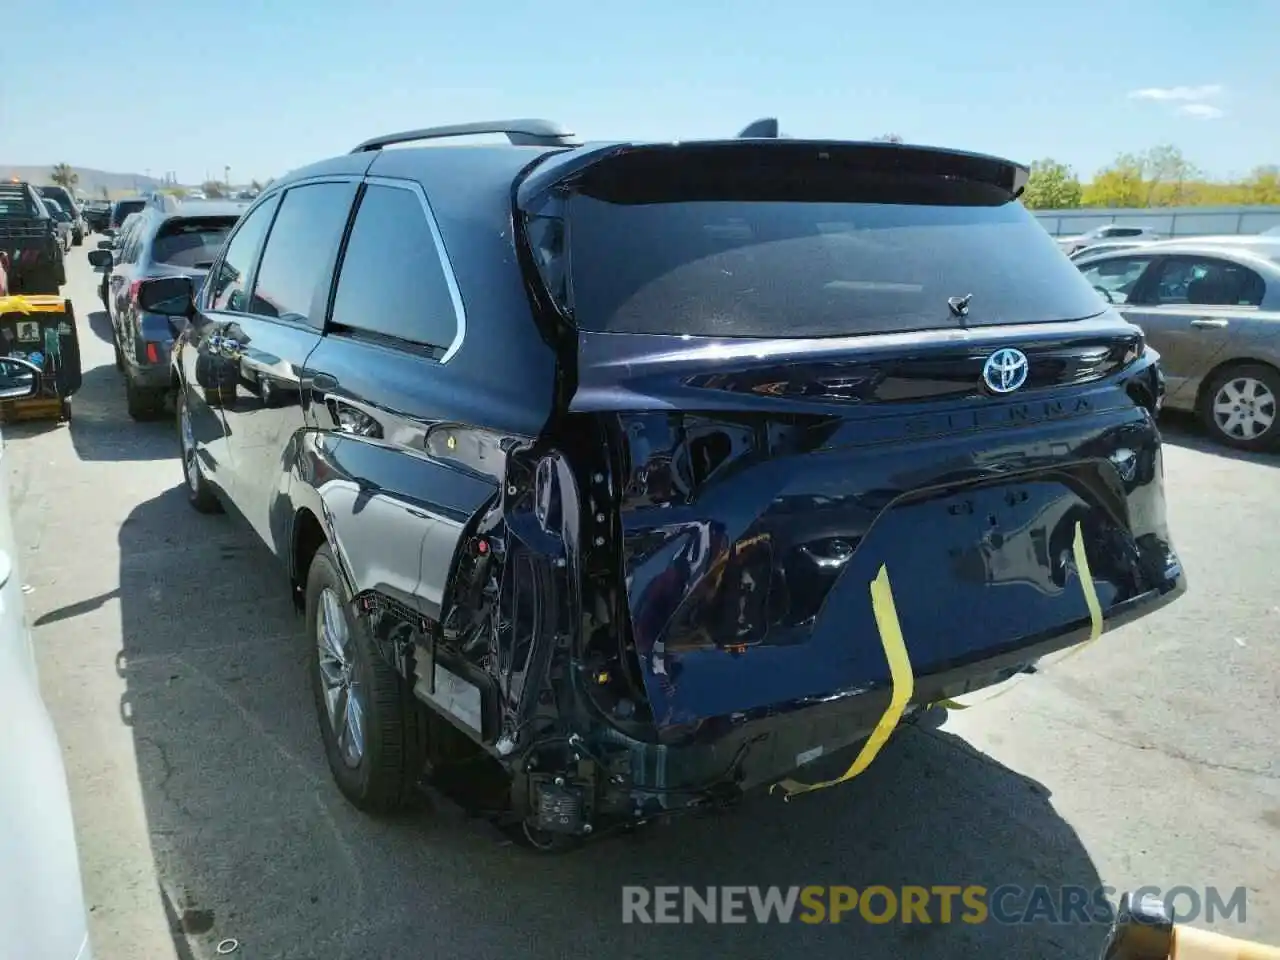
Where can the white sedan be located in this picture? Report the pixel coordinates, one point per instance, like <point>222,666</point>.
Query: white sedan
<point>42,911</point>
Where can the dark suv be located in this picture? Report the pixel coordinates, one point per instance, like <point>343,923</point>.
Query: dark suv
<point>165,240</point>
<point>641,474</point>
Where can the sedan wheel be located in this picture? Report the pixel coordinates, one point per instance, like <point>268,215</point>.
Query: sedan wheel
<point>1240,406</point>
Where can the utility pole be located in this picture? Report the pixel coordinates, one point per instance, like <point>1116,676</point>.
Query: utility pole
<point>226,177</point>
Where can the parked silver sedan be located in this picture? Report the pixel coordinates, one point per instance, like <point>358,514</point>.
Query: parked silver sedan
<point>1211,307</point>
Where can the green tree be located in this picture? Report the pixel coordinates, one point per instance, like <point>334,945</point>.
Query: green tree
<point>1261,186</point>
<point>1168,176</point>
<point>889,138</point>
<point>213,189</point>
<point>255,186</point>
<point>1120,185</point>
<point>1052,186</point>
<point>64,176</point>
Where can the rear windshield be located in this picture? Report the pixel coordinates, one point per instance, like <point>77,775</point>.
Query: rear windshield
<point>15,201</point>
<point>769,262</point>
<point>57,193</point>
<point>191,243</point>
<point>126,207</point>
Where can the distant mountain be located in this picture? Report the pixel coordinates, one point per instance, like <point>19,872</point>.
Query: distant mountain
<point>91,181</point>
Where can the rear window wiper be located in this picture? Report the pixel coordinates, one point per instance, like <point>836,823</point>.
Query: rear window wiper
<point>960,305</point>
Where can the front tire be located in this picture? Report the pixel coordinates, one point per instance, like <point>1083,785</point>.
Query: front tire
<point>374,730</point>
<point>199,493</point>
<point>1239,407</point>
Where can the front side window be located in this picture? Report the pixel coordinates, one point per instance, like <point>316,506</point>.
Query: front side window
<point>226,285</point>
<point>1115,277</point>
<point>393,281</point>
<point>299,252</point>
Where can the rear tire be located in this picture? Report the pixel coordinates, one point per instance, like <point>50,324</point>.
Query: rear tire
<point>1236,403</point>
<point>382,775</point>
<point>199,493</point>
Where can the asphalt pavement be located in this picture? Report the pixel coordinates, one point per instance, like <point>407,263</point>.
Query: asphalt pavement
<point>172,662</point>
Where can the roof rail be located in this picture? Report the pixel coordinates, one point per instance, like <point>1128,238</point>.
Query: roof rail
<point>525,133</point>
<point>766,129</point>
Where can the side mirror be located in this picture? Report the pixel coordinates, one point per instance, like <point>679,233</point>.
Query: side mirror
<point>19,379</point>
<point>104,244</point>
<point>167,296</point>
<point>101,258</point>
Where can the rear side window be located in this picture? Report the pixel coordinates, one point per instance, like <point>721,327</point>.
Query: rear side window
<point>226,285</point>
<point>393,280</point>
<point>799,268</point>
<point>191,243</point>
<point>300,252</point>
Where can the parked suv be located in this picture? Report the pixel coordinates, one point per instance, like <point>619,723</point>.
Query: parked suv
<point>643,474</point>
<point>165,240</point>
<point>72,208</point>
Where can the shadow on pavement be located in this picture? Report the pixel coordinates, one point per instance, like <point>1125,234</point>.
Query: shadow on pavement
<point>100,324</point>
<point>101,428</point>
<point>253,841</point>
<point>1183,430</point>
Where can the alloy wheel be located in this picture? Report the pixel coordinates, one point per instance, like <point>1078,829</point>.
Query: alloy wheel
<point>1244,408</point>
<point>340,678</point>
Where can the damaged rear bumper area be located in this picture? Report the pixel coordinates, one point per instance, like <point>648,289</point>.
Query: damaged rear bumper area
<point>653,648</point>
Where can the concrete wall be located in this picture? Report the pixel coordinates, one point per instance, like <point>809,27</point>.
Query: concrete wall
<point>1167,221</point>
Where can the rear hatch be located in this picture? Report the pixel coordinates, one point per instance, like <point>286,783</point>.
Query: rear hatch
<point>785,347</point>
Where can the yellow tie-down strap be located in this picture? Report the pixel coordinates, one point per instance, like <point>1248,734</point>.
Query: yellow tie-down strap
<point>903,679</point>
<point>33,304</point>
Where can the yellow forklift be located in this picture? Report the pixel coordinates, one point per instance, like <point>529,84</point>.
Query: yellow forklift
<point>41,331</point>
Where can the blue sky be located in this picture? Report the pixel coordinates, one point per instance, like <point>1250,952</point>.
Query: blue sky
<point>137,85</point>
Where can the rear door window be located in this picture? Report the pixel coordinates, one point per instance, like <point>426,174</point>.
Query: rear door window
<point>293,279</point>
<point>794,268</point>
<point>393,281</point>
<point>191,243</point>
<point>1206,281</point>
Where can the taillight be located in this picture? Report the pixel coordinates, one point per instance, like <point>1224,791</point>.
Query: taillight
<point>153,353</point>
<point>133,291</point>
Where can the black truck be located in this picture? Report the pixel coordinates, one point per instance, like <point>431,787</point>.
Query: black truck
<point>29,237</point>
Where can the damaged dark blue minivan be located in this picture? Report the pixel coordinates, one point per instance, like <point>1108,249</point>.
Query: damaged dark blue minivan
<point>586,460</point>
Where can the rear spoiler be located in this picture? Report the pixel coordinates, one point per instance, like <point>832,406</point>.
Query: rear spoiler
<point>756,147</point>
